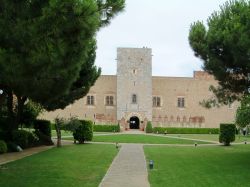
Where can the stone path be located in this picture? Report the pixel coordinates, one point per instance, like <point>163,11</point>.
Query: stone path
<point>128,169</point>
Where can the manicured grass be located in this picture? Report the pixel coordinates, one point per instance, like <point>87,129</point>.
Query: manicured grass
<point>63,133</point>
<point>76,165</point>
<point>199,166</point>
<point>210,137</point>
<point>139,138</point>
<point>67,133</point>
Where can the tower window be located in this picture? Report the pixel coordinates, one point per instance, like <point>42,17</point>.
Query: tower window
<point>181,102</point>
<point>134,98</point>
<point>90,100</point>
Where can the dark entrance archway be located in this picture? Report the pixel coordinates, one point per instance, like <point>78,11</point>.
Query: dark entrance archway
<point>134,123</point>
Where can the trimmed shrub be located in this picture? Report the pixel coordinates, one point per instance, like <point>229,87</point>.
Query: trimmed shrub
<point>227,133</point>
<point>43,126</point>
<point>176,130</point>
<point>84,132</point>
<point>106,128</point>
<point>149,128</point>
<point>3,147</point>
<point>43,132</point>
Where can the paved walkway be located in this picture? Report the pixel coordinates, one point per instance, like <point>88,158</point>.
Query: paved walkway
<point>9,157</point>
<point>128,169</point>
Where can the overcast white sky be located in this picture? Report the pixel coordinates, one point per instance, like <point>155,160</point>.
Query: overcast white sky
<point>162,25</point>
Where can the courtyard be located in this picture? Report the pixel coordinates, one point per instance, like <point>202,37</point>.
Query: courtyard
<point>177,162</point>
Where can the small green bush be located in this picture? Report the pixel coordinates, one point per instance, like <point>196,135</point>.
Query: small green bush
<point>3,147</point>
<point>149,128</point>
<point>106,128</point>
<point>84,132</point>
<point>227,133</point>
<point>176,130</point>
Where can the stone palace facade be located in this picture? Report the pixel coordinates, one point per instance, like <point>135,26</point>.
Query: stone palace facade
<point>134,96</point>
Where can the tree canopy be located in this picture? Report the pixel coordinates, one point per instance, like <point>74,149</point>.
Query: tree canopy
<point>224,47</point>
<point>242,114</point>
<point>47,49</point>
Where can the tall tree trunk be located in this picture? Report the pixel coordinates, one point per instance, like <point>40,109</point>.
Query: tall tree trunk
<point>20,104</point>
<point>58,133</point>
<point>10,108</point>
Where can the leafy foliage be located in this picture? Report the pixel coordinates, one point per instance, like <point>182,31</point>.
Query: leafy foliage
<point>224,48</point>
<point>30,112</point>
<point>47,50</point>
<point>243,112</point>
<point>3,147</point>
<point>84,132</point>
<point>23,138</point>
<point>149,128</point>
<point>227,133</point>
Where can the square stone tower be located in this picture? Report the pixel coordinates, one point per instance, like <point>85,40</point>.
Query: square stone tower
<point>134,84</point>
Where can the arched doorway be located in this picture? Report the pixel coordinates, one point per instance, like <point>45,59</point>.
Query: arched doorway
<point>134,123</point>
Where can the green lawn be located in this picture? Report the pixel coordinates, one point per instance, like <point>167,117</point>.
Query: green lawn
<point>63,133</point>
<point>210,137</point>
<point>199,166</point>
<point>76,165</point>
<point>67,133</point>
<point>139,138</point>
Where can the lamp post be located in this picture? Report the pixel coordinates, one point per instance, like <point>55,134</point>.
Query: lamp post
<point>1,92</point>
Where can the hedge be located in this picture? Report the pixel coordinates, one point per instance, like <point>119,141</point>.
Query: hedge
<point>106,128</point>
<point>43,126</point>
<point>176,130</point>
<point>43,131</point>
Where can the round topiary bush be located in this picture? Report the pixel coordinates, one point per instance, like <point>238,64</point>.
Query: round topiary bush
<point>3,147</point>
<point>227,133</point>
<point>84,132</point>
